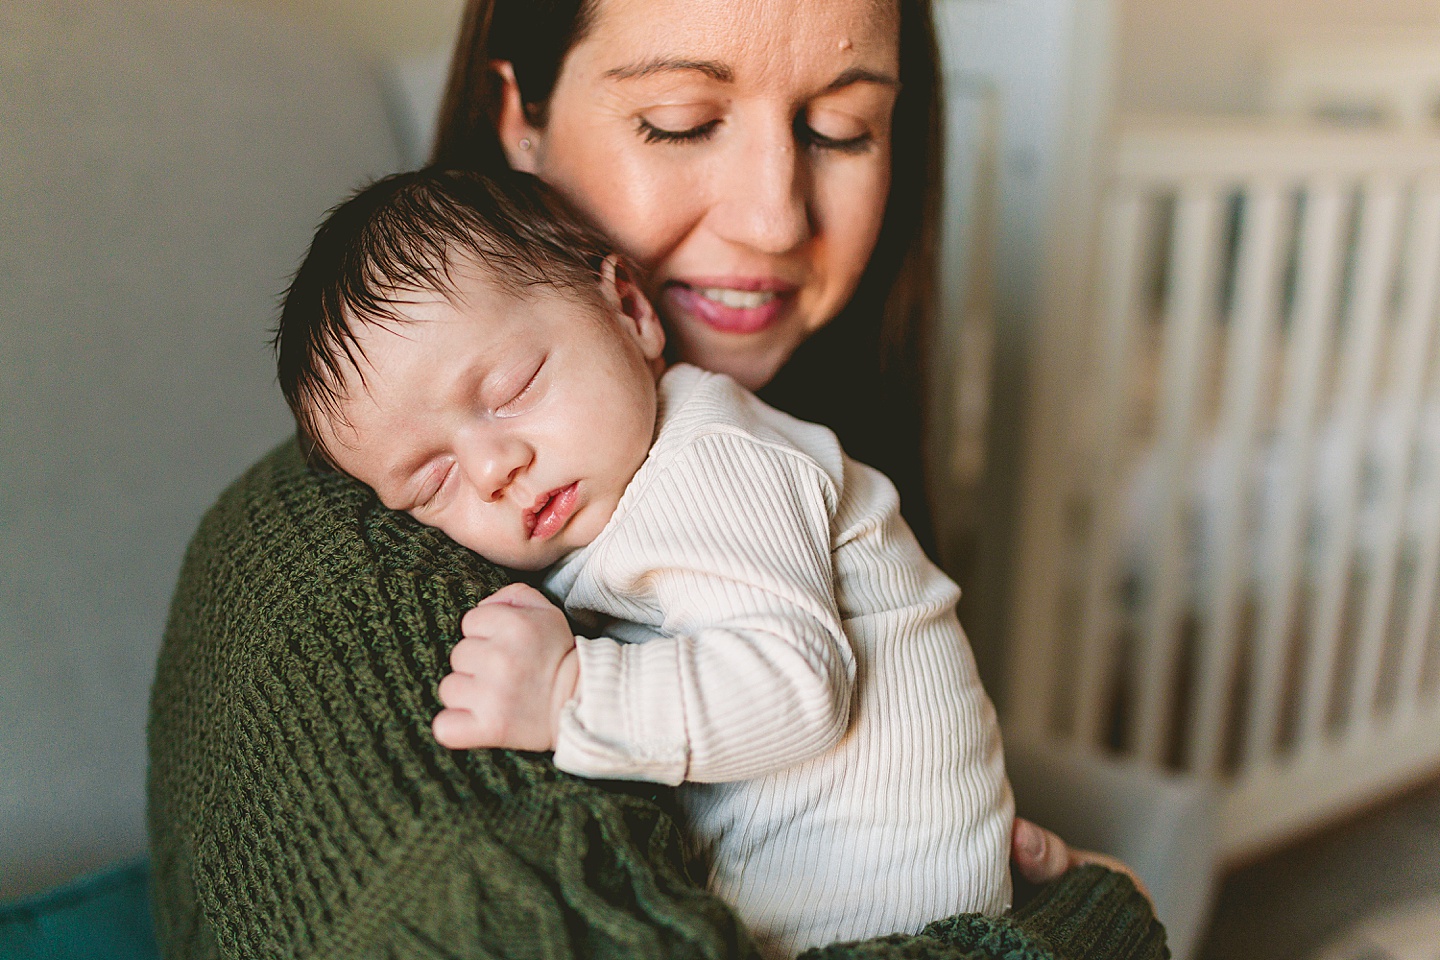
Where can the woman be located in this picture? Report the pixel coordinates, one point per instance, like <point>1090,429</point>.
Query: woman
<point>789,245</point>
<point>773,164</point>
<point>812,192</point>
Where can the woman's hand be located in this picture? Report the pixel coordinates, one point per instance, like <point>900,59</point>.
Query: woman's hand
<point>1040,856</point>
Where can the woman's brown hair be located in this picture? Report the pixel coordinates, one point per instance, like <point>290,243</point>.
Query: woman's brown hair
<point>861,374</point>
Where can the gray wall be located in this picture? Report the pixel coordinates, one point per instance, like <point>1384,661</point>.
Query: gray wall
<point>163,164</point>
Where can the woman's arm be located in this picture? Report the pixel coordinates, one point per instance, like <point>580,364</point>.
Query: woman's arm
<point>299,806</point>
<point>1090,913</point>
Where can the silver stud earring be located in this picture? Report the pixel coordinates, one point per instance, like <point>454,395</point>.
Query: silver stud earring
<point>524,143</point>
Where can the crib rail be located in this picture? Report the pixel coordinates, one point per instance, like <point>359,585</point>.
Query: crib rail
<point>1378,78</point>
<point>1231,567</point>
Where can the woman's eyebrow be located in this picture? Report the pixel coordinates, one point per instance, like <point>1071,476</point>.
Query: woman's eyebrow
<point>644,68</point>
<point>861,75</point>
<point>723,74</point>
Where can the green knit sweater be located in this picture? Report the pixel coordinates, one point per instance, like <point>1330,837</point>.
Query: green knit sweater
<point>299,806</point>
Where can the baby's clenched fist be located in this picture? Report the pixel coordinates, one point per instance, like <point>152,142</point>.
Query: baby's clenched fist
<point>515,668</point>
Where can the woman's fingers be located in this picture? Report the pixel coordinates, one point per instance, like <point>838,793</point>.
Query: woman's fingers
<point>1039,855</point>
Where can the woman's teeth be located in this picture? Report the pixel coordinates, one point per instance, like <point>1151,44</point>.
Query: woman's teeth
<point>737,299</point>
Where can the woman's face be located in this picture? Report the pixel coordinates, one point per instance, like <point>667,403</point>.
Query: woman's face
<point>739,150</point>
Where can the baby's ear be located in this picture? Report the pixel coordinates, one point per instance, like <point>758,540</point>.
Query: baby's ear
<point>622,292</point>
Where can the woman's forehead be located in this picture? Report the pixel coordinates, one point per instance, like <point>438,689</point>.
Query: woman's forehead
<point>628,38</point>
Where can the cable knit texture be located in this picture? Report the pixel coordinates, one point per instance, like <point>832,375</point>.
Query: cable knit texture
<point>299,806</point>
<point>800,666</point>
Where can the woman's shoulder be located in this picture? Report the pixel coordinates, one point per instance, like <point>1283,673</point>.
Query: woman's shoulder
<point>300,566</point>
<point>286,527</point>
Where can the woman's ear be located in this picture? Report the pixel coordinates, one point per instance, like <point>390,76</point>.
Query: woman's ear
<point>518,137</point>
<point>623,294</point>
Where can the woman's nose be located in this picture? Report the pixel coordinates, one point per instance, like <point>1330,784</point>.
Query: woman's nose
<point>764,202</point>
<point>492,462</point>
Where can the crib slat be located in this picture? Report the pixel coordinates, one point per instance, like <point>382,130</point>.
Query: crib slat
<point>1420,612</point>
<point>1374,265</point>
<point>1327,205</point>
<point>1417,322</point>
<point>1189,309</point>
<point>1124,242</point>
<point>1257,290</point>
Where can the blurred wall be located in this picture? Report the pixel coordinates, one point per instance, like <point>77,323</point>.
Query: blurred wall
<point>1209,55</point>
<point>165,163</point>
<point>384,28</point>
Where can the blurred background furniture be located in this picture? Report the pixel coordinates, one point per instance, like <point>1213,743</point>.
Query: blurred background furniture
<point>1384,78</point>
<point>1230,538</point>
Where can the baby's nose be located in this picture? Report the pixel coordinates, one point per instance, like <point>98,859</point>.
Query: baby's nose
<point>493,463</point>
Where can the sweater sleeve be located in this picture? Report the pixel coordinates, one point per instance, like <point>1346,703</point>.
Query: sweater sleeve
<point>1090,913</point>
<point>728,548</point>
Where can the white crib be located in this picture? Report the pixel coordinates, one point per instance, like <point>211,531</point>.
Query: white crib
<point>1360,78</point>
<point>1230,540</point>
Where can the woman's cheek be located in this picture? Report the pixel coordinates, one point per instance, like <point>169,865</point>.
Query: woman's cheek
<point>853,210</point>
<point>640,197</point>
<point>660,206</point>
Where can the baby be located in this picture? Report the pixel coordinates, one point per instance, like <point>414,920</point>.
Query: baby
<point>757,623</point>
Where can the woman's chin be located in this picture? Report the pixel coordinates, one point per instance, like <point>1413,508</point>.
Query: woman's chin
<point>748,365</point>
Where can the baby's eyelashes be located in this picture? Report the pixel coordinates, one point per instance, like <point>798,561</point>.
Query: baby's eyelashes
<point>436,483</point>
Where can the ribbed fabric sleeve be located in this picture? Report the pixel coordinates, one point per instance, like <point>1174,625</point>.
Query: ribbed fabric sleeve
<point>299,807</point>
<point>726,544</point>
<point>799,665</point>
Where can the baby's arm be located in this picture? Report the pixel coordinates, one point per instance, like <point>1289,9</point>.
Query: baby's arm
<point>731,545</point>
<point>727,551</point>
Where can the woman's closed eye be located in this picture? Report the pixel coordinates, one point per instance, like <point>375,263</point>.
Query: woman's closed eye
<point>810,137</point>
<point>654,133</point>
<point>829,129</point>
<point>679,122</point>
<point>813,138</point>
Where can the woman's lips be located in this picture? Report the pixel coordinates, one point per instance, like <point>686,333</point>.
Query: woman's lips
<point>730,305</point>
<point>552,511</point>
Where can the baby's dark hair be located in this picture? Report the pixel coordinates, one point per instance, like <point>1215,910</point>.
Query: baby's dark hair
<point>406,234</point>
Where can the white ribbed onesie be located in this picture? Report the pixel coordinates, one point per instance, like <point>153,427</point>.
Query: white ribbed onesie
<point>766,630</point>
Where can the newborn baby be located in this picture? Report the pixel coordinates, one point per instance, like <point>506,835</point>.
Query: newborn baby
<point>757,624</point>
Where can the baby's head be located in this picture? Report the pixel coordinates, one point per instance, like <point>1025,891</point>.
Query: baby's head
<point>478,356</point>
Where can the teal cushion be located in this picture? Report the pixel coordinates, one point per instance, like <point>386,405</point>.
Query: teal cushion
<point>104,916</point>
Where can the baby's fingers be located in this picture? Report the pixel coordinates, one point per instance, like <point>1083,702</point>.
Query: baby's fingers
<point>459,691</point>
<point>472,655</point>
<point>459,730</point>
<point>517,595</point>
